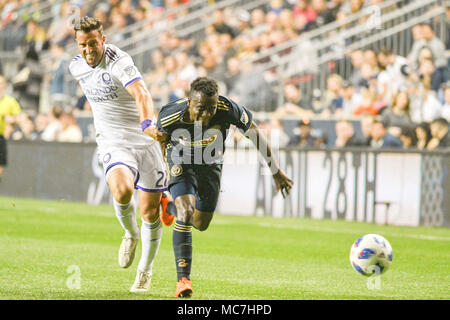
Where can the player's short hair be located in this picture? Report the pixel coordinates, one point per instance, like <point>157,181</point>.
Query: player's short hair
<point>205,85</point>
<point>87,24</point>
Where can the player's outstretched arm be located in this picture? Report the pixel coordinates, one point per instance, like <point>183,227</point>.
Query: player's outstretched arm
<point>282,182</point>
<point>144,104</point>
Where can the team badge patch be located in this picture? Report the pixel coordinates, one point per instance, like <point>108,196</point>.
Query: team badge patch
<point>130,71</point>
<point>176,170</point>
<point>244,118</point>
<point>106,157</point>
<point>106,78</point>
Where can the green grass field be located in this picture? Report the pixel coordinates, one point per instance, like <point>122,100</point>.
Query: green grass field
<point>236,258</point>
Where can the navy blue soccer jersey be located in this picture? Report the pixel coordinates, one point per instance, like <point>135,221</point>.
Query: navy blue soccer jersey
<point>193,144</point>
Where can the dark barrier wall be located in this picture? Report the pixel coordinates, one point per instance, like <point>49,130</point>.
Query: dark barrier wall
<point>48,170</point>
<point>329,182</point>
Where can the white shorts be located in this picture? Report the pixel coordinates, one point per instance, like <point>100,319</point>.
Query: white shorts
<point>146,164</point>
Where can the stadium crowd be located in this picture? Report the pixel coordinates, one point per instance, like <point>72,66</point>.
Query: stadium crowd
<point>397,101</point>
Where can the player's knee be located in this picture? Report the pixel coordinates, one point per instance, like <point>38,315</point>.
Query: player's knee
<point>186,213</point>
<point>122,192</point>
<point>149,212</point>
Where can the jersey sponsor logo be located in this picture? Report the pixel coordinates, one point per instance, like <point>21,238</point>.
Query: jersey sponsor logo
<point>130,71</point>
<point>199,143</point>
<point>176,170</point>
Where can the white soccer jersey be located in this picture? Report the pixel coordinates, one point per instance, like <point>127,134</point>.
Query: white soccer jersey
<point>116,118</point>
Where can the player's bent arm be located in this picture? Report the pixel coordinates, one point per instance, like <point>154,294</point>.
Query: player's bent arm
<point>144,103</point>
<point>260,141</point>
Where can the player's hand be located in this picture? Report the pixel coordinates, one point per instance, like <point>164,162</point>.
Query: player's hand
<point>283,183</point>
<point>157,135</point>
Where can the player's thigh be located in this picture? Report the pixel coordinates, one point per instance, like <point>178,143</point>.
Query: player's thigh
<point>120,180</point>
<point>120,169</point>
<point>149,205</point>
<point>208,187</point>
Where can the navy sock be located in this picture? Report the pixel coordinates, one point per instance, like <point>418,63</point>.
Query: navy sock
<point>182,248</point>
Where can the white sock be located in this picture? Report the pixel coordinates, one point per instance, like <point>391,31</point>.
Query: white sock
<point>126,213</point>
<point>151,234</point>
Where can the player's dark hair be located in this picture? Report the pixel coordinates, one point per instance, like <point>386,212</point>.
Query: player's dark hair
<point>87,24</point>
<point>205,85</point>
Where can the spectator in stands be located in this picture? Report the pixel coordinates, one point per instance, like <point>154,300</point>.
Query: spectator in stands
<point>423,135</point>
<point>27,82</point>
<point>253,89</point>
<point>303,8</point>
<point>275,6</point>
<point>351,99</point>
<point>294,103</point>
<point>357,59</point>
<point>381,138</point>
<point>446,106</point>
<point>126,10</point>
<point>36,37</point>
<point>257,22</point>
<point>432,76</point>
<point>303,136</point>
<point>232,73</point>
<point>61,88</point>
<point>324,15</point>
<point>25,129</point>
<point>429,39</point>
<point>101,12</point>
<point>366,122</point>
<point>391,78</point>
<point>408,137</point>
<point>226,47</point>
<point>54,126</point>
<point>346,135</point>
<point>424,106</point>
<point>70,131</point>
<point>220,25</point>
<point>367,105</point>
<point>118,23</point>
<point>40,123</point>
<point>397,116</point>
<point>60,30</point>
<point>332,99</point>
<point>440,136</point>
<point>243,25</point>
<point>185,67</point>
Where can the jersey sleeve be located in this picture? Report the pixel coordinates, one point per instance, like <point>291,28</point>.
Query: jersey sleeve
<point>125,71</point>
<point>238,115</point>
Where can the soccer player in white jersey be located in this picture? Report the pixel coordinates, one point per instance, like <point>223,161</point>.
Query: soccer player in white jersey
<point>122,108</point>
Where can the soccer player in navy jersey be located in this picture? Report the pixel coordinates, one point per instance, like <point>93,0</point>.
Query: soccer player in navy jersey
<point>193,142</point>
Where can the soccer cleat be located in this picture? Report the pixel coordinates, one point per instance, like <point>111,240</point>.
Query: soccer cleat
<point>184,288</point>
<point>142,282</point>
<point>165,217</point>
<point>126,251</point>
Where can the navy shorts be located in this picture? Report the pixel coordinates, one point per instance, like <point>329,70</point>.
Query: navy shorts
<point>203,181</point>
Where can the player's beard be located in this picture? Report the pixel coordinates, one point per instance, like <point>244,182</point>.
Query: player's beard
<point>91,58</point>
